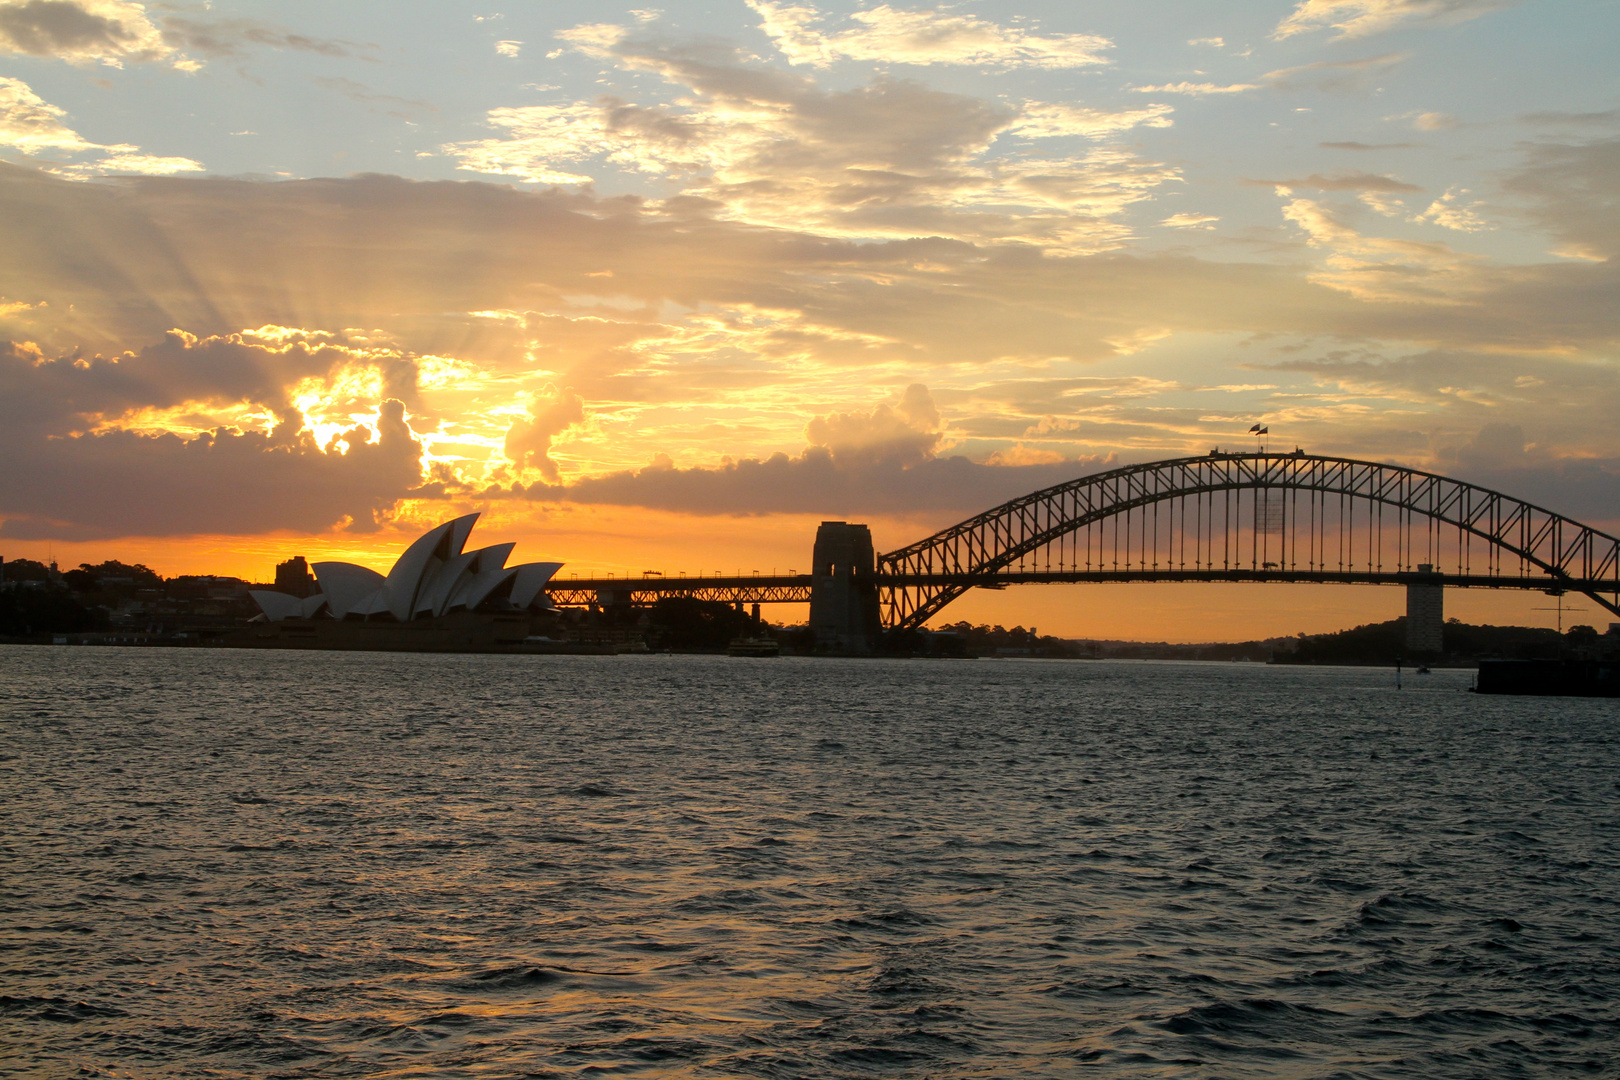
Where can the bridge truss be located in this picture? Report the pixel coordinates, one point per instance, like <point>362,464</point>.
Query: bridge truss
<point>1254,517</point>
<point>645,591</point>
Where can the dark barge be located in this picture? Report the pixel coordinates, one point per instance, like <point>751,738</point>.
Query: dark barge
<point>1552,678</point>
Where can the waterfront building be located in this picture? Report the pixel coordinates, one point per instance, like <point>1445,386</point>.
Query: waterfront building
<point>294,579</point>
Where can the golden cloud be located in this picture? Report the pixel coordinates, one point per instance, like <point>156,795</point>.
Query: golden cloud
<point>891,159</point>
<point>890,35</point>
<point>1360,18</point>
<point>36,127</point>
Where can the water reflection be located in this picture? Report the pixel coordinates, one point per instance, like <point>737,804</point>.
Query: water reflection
<point>320,865</point>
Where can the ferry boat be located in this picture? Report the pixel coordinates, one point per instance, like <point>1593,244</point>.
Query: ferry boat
<point>754,646</point>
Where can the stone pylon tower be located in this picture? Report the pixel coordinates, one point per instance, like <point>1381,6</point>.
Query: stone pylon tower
<point>843,599</point>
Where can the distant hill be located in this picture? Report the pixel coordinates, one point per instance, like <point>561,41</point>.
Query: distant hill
<point>1385,642</point>
<point>1373,643</point>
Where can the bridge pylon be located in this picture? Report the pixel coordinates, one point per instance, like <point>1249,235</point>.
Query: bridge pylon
<point>1425,613</point>
<point>844,612</point>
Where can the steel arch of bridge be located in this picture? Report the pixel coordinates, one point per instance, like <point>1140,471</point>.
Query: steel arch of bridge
<point>1254,517</point>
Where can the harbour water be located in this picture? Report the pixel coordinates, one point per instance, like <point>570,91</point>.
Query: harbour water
<point>237,864</point>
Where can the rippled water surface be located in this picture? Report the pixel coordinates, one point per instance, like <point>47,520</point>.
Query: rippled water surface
<point>325,865</point>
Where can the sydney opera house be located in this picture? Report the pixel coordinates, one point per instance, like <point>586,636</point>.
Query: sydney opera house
<point>436,597</point>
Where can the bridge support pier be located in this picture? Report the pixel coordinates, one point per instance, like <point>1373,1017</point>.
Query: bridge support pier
<point>843,597</point>
<point>1425,614</point>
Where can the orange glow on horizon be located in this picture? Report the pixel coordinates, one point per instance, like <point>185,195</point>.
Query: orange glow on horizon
<point>598,541</point>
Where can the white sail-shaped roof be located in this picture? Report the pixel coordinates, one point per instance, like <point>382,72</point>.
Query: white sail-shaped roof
<point>434,593</point>
<point>345,584</point>
<point>531,581</point>
<point>375,604</point>
<point>493,557</point>
<point>276,605</point>
<point>405,579</point>
<point>476,589</point>
<point>279,605</point>
<point>460,529</point>
<point>432,576</point>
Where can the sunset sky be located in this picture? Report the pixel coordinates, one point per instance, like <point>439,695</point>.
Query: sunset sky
<point>663,287</point>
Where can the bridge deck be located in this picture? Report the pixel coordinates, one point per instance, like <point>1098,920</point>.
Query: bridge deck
<point>758,589</point>
<point>795,588</point>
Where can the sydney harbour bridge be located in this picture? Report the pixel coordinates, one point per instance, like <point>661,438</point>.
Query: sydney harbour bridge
<point>1258,517</point>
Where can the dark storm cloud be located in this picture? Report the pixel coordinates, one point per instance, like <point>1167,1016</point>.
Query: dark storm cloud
<point>882,461</point>
<point>821,480</point>
<point>62,394</point>
<point>122,483</point>
<point>72,475</point>
<point>815,481</point>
